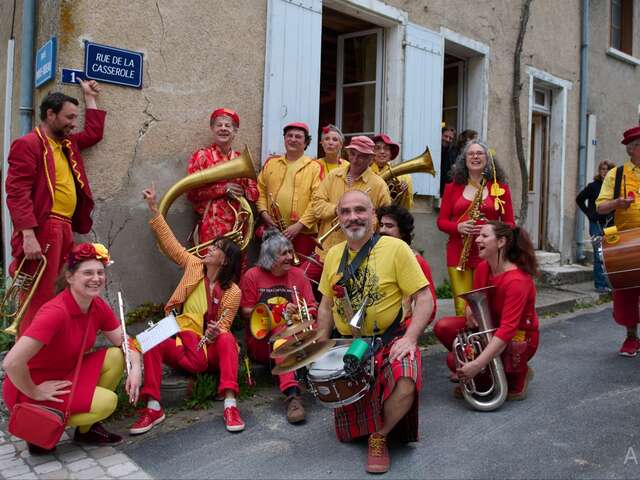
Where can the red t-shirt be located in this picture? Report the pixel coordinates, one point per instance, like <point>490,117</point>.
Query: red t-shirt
<point>512,301</point>
<point>258,286</point>
<point>452,211</point>
<point>60,326</point>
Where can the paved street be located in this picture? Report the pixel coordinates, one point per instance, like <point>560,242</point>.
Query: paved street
<point>580,420</point>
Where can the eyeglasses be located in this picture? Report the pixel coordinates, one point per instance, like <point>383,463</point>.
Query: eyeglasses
<point>475,154</point>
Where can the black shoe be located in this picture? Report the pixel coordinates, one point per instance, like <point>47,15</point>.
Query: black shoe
<point>36,450</point>
<point>97,435</point>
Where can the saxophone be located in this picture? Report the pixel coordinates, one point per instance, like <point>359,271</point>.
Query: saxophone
<point>475,215</point>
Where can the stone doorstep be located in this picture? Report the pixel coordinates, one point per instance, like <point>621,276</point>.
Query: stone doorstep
<point>564,274</point>
<point>547,258</point>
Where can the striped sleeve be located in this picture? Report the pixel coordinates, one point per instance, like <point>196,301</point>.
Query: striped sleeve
<point>231,302</point>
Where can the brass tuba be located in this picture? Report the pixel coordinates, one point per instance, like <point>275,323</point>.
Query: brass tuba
<point>423,163</point>
<point>468,346</point>
<point>20,293</point>
<point>239,167</point>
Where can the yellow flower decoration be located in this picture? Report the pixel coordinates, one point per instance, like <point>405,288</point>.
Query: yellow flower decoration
<point>101,252</point>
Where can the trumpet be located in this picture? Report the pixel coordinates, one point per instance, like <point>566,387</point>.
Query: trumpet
<point>22,282</point>
<point>125,338</point>
<point>276,215</point>
<point>468,346</point>
<point>205,338</point>
<point>303,308</point>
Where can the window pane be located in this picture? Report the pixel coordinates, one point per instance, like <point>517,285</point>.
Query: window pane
<point>360,58</point>
<point>359,109</point>
<point>616,14</point>
<point>615,38</point>
<point>539,98</point>
<point>450,117</point>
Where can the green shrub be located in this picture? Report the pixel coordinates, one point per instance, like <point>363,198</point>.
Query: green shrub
<point>444,290</point>
<point>144,313</point>
<point>203,392</point>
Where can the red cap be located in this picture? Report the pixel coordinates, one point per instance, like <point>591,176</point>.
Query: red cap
<point>226,112</point>
<point>631,134</point>
<point>362,144</point>
<point>386,139</point>
<point>299,125</point>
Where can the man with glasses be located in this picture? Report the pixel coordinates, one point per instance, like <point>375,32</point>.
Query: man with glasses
<point>619,194</point>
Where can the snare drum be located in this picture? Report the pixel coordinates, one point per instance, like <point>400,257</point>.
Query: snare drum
<point>331,385</point>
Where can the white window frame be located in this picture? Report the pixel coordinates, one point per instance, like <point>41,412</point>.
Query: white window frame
<point>340,85</point>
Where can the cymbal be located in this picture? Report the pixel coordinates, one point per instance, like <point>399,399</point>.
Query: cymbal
<point>303,357</point>
<point>295,328</point>
<point>296,343</point>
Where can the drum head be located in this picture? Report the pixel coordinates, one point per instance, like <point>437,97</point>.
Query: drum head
<point>330,364</point>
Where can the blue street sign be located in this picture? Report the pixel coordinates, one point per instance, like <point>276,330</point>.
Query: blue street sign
<point>46,62</point>
<point>113,65</point>
<point>72,76</point>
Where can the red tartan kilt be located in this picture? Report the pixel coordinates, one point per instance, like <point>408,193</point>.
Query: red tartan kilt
<point>365,416</point>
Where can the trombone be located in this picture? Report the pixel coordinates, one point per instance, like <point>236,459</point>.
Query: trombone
<point>22,282</point>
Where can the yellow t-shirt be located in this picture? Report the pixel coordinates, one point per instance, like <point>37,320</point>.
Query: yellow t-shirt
<point>628,218</point>
<point>193,310</point>
<point>64,196</point>
<point>285,194</point>
<point>390,272</point>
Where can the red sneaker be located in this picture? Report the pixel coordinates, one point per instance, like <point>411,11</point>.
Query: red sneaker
<point>233,420</point>
<point>149,418</point>
<point>630,347</point>
<point>378,460</point>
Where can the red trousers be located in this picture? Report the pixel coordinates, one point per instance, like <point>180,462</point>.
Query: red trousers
<point>515,356</point>
<point>222,354</point>
<point>625,306</point>
<point>56,237</point>
<point>260,351</point>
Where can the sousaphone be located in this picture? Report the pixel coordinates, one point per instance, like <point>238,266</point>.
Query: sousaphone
<point>239,167</point>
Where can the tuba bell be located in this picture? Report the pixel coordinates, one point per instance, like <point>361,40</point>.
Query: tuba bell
<point>423,163</point>
<point>19,294</point>
<point>239,167</point>
<point>468,346</point>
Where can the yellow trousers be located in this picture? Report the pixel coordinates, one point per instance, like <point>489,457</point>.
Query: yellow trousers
<point>461,282</point>
<point>104,400</point>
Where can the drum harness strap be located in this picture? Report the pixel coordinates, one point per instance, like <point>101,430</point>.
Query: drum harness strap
<point>348,271</point>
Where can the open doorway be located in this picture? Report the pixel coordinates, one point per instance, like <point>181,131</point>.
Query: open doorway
<point>351,74</point>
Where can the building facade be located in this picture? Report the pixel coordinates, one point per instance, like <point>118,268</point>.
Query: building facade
<point>401,67</point>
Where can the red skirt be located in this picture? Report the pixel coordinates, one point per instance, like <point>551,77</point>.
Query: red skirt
<point>83,395</point>
<point>365,416</point>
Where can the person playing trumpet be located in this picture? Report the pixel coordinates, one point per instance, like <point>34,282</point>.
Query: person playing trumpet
<point>48,192</point>
<point>508,262</point>
<point>41,364</point>
<point>209,299</point>
<point>376,273</point>
<point>272,282</point>
<point>286,185</point>
<point>478,189</point>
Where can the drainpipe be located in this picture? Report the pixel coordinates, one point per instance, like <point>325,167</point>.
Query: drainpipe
<point>582,152</point>
<point>27,65</point>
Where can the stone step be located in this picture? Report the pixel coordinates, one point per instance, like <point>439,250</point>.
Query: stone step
<point>547,258</point>
<point>564,274</point>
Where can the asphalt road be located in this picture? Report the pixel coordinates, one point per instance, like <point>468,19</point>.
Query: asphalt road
<point>579,421</point>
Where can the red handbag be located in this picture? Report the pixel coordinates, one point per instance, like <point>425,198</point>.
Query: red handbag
<point>41,425</point>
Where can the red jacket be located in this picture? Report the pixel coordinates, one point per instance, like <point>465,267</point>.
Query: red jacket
<point>31,178</point>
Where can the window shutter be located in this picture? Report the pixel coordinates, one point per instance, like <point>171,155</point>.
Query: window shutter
<point>292,70</point>
<point>423,102</point>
